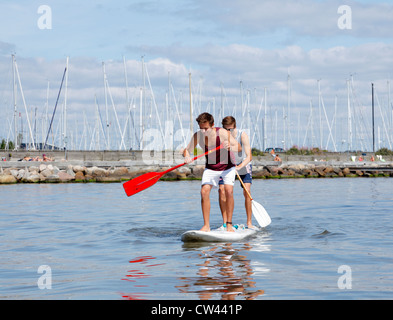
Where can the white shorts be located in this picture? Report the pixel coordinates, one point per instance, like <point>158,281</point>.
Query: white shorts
<point>213,177</point>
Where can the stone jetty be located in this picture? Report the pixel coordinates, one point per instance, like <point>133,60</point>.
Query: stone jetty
<point>118,166</point>
<point>118,171</point>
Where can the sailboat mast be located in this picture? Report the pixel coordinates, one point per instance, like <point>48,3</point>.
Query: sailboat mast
<point>142,103</point>
<point>140,120</point>
<point>320,114</point>
<point>46,113</point>
<point>65,110</point>
<point>372,107</point>
<point>222,112</point>
<point>24,103</point>
<point>127,99</point>
<point>349,119</point>
<point>106,108</point>
<point>288,116</point>
<point>191,122</point>
<point>15,109</point>
<point>265,122</point>
<point>390,109</point>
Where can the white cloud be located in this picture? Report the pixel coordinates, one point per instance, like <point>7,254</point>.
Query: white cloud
<point>298,18</point>
<point>256,68</point>
<point>255,42</point>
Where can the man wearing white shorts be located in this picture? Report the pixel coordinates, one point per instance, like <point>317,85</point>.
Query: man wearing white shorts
<point>218,164</point>
<point>212,177</point>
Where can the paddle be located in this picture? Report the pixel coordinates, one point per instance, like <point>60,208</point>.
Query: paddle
<point>146,180</point>
<point>258,210</point>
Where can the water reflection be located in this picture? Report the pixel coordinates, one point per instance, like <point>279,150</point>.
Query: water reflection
<point>224,271</point>
<point>140,270</point>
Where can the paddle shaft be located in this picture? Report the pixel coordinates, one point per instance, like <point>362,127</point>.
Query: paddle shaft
<point>244,187</point>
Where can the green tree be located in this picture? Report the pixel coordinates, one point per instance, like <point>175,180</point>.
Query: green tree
<point>3,145</point>
<point>384,152</point>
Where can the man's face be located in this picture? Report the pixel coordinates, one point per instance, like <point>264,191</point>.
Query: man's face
<point>205,127</point>
<point>230,127</point>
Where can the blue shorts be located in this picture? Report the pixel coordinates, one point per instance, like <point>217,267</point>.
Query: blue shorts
<point>246,178</point>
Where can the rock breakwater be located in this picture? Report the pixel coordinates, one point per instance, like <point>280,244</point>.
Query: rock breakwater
<point>50,173</point>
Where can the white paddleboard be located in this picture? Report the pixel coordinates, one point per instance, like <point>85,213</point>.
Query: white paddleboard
<point>218,235</point>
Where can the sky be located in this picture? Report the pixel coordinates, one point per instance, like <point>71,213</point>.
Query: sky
<point>305,54</point>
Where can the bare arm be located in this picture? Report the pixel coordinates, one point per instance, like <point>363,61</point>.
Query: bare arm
<point>229,141</point>
<point>190,148</point>
<point>247,148</point>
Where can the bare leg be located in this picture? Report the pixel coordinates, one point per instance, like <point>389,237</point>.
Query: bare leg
<point>230,204</point>
<point>205,203</point>
<point>247,203</point>
<point>222,202</point>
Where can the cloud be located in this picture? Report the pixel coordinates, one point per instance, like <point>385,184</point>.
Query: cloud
<point>236,60</point>
<point>241,46</point>
<point>297,18</point>
<point>218,67</point>
<point>211,66</point>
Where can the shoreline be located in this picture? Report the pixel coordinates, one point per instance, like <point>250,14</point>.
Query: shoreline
<point>77,171</point>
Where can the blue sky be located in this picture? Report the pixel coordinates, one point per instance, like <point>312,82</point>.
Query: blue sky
<point>256,42</point>
<point>106,29</point>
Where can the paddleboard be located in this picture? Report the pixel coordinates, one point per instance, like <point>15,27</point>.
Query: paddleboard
<point>218,235</point>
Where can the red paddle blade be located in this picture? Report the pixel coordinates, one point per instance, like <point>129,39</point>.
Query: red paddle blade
<point>141,183</point>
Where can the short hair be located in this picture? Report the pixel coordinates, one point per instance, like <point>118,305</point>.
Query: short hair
<point>205,117</point>
<point>229,120</point>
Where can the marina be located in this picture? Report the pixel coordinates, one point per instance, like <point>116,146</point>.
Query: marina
<point>104,193</point>
<point>146,118</point>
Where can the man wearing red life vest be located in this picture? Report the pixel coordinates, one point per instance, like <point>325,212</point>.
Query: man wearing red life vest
<point>218,164</point>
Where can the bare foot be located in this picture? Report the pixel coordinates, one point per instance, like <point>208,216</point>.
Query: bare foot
<point>230,228</point>
<point>205,228</point>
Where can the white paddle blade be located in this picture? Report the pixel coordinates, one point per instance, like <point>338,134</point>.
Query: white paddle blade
<point>260,214</point>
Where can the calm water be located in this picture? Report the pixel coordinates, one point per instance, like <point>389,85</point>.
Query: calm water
<point>99,244</point>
